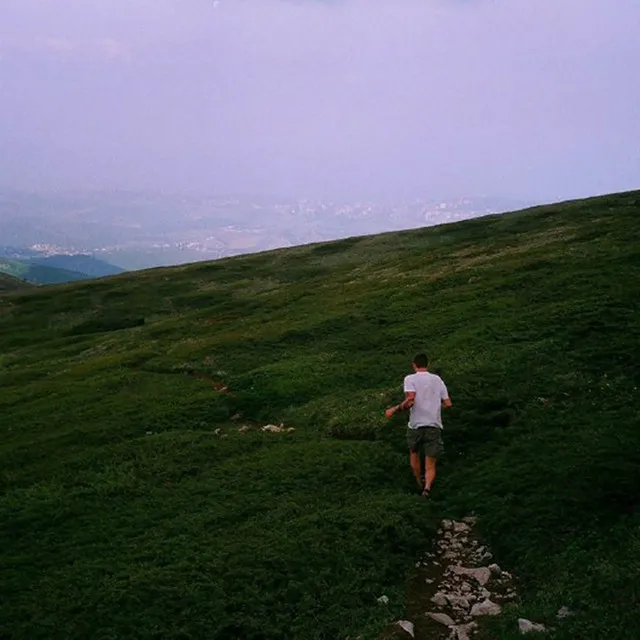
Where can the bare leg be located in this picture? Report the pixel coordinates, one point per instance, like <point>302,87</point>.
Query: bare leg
<point>430,474</point>
<point>414,459</point>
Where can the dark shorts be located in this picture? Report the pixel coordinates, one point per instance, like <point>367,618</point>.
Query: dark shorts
<point>426,441</point>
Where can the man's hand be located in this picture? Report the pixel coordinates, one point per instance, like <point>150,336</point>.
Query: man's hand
<point>407,403</point>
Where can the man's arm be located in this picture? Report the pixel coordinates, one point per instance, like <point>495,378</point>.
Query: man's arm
<point>407,403</point>
<point>444,395</point>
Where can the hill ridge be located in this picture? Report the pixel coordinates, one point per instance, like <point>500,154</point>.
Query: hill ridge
<point>134,492</point>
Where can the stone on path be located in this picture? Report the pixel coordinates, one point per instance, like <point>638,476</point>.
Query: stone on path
<point>439,599</point>
<point>272,428</point>
<point>463,631</point>
<point>485,608</point>
<point>459,602</point>
<point>442,618</point>
<point>526,626</point>
<point>407,626</point>
<point>481,574</point>
<point>461,527</point>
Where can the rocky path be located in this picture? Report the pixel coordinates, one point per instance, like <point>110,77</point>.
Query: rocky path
<point>455,586</point>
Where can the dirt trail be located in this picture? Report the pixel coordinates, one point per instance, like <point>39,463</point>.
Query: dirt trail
<point>453,588</point>
<point>216,384</point>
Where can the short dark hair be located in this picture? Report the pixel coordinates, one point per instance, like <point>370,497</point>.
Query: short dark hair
<point>421,361</point>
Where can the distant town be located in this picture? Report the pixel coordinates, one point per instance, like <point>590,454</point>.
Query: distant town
<point>136,231</point>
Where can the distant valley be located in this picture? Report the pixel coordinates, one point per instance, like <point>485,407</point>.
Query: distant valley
<point>95,234</point>
<point>55,269</point>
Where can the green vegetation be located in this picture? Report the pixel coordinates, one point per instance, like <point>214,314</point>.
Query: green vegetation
<point>133,506</point>
<point>79,263</point>
<point>38,273</point>
<point>11,283</point>
<point>15,268</point>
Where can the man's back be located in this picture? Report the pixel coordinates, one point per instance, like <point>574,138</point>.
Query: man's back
<point>430,391</point>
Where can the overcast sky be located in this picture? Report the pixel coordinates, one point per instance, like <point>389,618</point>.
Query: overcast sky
<point>343,99</point>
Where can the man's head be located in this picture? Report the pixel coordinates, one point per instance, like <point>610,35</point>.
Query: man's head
<point>421,361</point>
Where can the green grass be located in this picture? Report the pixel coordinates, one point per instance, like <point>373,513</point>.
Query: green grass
<point>131,505</point>
<point>38,273</point>
<point>9,283</point>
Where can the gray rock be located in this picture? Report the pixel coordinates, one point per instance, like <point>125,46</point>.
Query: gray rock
<point>272,428</point>
<point>526,626</point>
<point>494,568</point>
<point>464,631</point>
<point>458,601</point>
<point>447,525</point>
<point>442,618</point>
<point>439,599</point>
<point>461,527</point>
<point>486,608</point>
<point>470,520</point>
<point>383,600</point>
<point>407,626</point>
<point>481,574</point>
<point>564,612</point>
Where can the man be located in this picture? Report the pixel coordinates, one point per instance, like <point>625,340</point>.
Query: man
<point>425,393</point>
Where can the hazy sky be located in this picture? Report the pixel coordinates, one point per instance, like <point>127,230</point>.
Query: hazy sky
<point>344,98</point>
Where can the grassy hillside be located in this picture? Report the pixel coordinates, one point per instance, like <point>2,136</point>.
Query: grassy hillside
<point>10,283</point>
<point>134,505</point>
<point>38,273</point>
<point>79,263</point>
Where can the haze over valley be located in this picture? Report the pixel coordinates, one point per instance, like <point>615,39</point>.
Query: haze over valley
<point>139,230</point>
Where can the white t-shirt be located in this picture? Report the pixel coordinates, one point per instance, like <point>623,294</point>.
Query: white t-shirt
<point>430,391</point>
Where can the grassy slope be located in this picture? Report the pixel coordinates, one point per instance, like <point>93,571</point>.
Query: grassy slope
<point>79,263</point>
<point>37,273</point>
<point>14,268</point>
<point>124,514</point>
<point>11,283</point>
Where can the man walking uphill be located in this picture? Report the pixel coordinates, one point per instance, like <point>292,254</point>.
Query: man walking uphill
<point>424,394</point>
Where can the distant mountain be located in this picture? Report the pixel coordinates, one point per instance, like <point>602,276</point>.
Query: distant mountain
<point>11,283</point>
<point>136,231</point>
<point>80,263</point>
<point>51,275</point>
<point>38,274</point>
<point>15,268</point>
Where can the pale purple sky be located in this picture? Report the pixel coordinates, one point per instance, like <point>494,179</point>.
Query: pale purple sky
<point>532,99</point>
